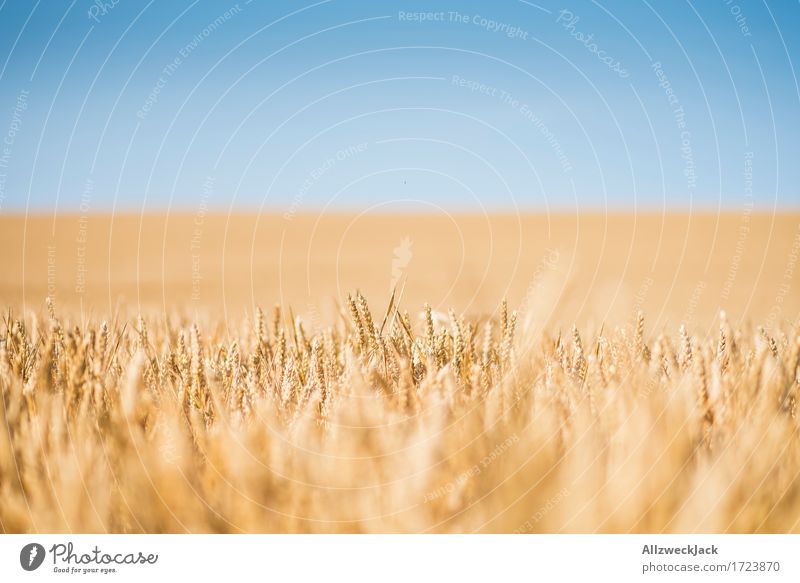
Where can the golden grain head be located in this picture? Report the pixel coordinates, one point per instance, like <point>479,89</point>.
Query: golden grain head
<point>151,427</point>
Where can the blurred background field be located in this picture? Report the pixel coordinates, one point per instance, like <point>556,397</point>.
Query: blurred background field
<point>576,268</point>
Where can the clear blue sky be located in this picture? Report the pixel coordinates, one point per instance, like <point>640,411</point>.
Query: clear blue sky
<point>347,105</point>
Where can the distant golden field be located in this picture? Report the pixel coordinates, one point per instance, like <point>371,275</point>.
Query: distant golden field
<point>411,373</point>
<point>585,268</point>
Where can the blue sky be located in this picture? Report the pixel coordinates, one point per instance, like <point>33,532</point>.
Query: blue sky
<point>299,106</point>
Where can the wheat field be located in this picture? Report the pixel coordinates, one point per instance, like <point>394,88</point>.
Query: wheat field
<point>389,414</point>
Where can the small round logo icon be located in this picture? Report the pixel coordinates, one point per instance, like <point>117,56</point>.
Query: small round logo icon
<point>31,556</point>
